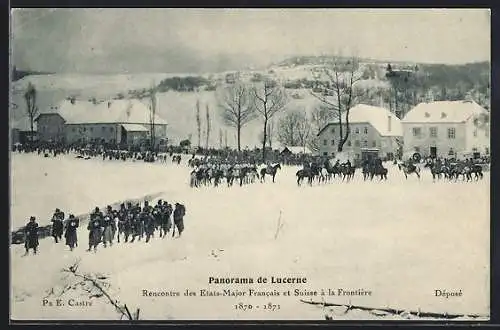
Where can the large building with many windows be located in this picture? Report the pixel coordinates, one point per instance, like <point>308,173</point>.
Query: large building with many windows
<point>373,131</point>
<point>447,129</point>
<point>126,122</point>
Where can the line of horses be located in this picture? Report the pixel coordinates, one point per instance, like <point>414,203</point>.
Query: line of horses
<point>246,174</point>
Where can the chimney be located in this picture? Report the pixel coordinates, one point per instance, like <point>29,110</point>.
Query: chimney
<point>389,122</point>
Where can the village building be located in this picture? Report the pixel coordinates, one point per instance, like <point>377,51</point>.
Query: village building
<point>124,122</point>
<point>374,132</point>
<point>20,131</point>
<point>447,129</point>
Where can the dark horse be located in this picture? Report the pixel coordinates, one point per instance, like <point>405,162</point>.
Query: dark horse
<point>272,172</point>
<point>309,173</point>
<point>409,169</point>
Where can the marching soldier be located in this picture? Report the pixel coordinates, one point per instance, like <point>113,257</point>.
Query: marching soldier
<point>31,236</point>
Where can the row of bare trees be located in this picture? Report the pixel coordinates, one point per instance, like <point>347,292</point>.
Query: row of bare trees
<point>334,88</point>
<point>208,127</point>
<point>241,103</point>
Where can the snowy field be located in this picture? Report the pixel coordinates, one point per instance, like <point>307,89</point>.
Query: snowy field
<point>400,239</point>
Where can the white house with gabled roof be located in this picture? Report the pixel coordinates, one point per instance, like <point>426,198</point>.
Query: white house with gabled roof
<point>373,130</point>
<point>447,129</point>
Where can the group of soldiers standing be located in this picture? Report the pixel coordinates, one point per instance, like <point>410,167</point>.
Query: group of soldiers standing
<point>130,221</point>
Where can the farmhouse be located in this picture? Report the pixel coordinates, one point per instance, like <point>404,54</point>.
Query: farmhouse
<point>447,128</point>
<point>373,131</point>
<point>117,121</point>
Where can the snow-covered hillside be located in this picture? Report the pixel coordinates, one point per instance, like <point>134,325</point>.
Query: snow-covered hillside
<point>177,107</point>
<point>401,239</point>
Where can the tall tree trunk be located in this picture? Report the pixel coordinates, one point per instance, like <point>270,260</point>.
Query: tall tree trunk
<point>239,136</point>
<point>264,140</point>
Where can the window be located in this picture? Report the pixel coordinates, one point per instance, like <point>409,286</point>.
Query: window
<point>487,133</point>
<point>356,143</point>
<point>349,143</point>
<point>475,132</point>
<point>333,130</point>
<point>451,133</point>
<point>333,142</point>
<point>325,154</point>
<point>103,128</point>
<point>73,130</point>
<point>417,131</point>
<point>417,149</point>
<point>357,130</point>
<point>374,144</point>
<point>91,129</point>
<point>451,152</point>
<point>84,129</point>
<point>325,142</point>
<point>433,132</point>
<point>111,129</point>
<point>365,143</point>
<point>487,150</point>
<point>474,149</point>
<point>366,130</point>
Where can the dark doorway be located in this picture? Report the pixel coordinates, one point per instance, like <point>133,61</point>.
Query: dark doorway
<point>123,139</point>
<point>433,152</point>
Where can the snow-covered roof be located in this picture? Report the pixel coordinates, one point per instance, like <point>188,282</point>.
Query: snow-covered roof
<point>114,111</point>
<point>134,128</point>
<point>443,112</point>
<point>376,116</point>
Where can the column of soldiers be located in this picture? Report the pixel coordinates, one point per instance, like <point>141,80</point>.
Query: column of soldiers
<point>130,222</point>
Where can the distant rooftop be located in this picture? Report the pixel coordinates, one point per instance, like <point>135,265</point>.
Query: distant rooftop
<point>444,112</point>
<point>130,111</point>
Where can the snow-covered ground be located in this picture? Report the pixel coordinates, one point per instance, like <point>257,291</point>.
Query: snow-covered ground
<point>401,239</point>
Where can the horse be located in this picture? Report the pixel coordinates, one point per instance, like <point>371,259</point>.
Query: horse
<point>409,170</point>
<point>437,170</point>
<point>271,172</point>
<point>305,173</point>
<point>378,170</point>
<point>347,171</point>
<point>366,171</point>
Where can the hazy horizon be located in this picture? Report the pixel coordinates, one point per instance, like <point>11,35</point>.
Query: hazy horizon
<point>112,41</point>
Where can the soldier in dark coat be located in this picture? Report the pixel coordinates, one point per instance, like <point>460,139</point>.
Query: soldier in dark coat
<point>107,230</point>
<point>71,225</point>
<point>179,213</point>
<point>57,227</point>
<point>94,227</point>
<point>149,225</point>
<point>31,236</point>
<point>166,224</point>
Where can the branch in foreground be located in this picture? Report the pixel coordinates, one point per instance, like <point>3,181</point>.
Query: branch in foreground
<point>395,311</point>
<point>98,283</point>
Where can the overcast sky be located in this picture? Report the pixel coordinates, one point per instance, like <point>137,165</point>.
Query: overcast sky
<point>194,40</point>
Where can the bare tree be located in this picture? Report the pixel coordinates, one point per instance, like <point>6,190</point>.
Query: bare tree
<point>198,122</point>
<point>270,98</point>
<point>209,128</point>
<point>152,116</point>
<point>319,118</point>
<point>270,133</point>
<point>288,128</point>
<point>335,89</point>
<point>220,138</point>
<point>235,102</point>
<point>304,129</point>
<point>31,107</point>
